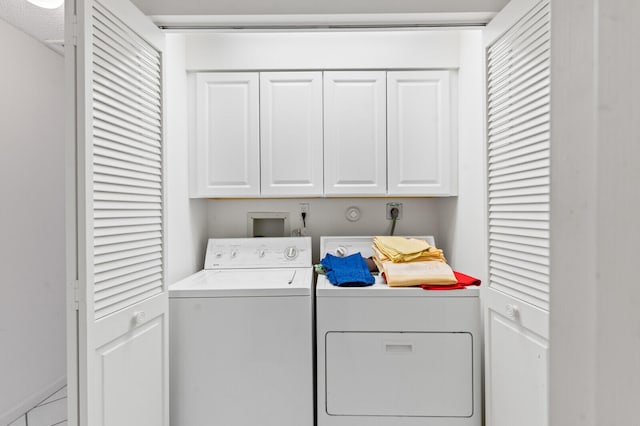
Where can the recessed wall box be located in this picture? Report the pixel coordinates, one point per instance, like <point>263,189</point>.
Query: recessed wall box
<point>267,224</point>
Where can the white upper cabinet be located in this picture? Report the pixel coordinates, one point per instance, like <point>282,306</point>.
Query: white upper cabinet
<point>291,133</point>
<point>311,134</point>
<point>227,148</point>
<point>422,156</point>
<point>355,132</point>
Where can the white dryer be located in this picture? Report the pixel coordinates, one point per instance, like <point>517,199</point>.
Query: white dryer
<point>395,356</point>
<point>241,336</point>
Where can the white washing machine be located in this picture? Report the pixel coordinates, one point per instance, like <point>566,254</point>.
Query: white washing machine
<point>395,356</point>
<point>241,336</point>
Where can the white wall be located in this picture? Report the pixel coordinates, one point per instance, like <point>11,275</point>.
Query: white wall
<point>186,218</point>
<point>573,317</point>
<point>463,222</point>
<point>618,221</point>
<point>32,247</point>
<point>595,315</point>
<point>228,218</point>
<point>322,50</point>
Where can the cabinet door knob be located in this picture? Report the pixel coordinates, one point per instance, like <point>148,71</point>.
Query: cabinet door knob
<point>139,317</point>
<point>512,311</point>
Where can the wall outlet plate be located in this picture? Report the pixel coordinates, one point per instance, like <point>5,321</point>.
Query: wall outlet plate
<point>391,206</point>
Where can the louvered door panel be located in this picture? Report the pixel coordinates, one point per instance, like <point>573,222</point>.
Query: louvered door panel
<point>127,166</point>
<point>518,100</point>
<point>516,301</point>
<point>117,327</point>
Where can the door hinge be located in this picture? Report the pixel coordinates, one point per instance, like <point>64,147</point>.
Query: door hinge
<point>76,295</point>
<point>73,30</point>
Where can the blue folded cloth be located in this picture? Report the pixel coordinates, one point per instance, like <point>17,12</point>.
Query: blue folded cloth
<point>349,271</point>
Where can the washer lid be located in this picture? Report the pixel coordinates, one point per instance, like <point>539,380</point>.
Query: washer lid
<point>244,283</point>
<point>380,289</point>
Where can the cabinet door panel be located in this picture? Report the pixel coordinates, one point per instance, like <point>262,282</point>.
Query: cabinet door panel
<point>421,152</point>
<point>355,132</point>
<point>291,133</point>
<point>227,147</point>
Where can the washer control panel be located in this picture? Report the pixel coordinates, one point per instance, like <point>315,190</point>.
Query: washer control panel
<point>237,253</point>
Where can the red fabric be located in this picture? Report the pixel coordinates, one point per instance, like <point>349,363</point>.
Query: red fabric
<point>463,281</point>
<point>466,280</point>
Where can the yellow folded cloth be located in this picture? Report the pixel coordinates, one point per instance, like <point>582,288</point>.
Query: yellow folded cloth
<point>401,249</point>
<point>416,273</point>
<point>434,254</point>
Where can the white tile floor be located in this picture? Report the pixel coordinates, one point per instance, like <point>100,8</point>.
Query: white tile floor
<point>50,412</point>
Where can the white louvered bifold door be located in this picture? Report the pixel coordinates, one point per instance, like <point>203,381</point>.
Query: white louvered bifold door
<point>518,151</point>
<point>516,300</point>
<point>122,356</point>
<point>127,167</point>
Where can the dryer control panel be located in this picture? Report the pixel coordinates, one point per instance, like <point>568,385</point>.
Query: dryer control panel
<point>241,253</point>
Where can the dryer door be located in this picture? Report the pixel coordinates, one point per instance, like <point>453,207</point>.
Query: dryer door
<point>399,374</point>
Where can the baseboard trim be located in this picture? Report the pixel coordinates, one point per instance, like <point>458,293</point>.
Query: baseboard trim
<point>32,401</point>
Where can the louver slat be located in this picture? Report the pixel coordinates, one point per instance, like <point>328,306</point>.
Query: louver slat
<point>117,72</point>
<point>109,140</point>
<point>128,297</point>
<point>115,295</point>
<point>523,65</point>
<point>113,161</point>
<point>133,245</point>
<point>108,258</point>
<point>127,166</point>
<point>130,175</point>
<point>530,243</point>
<point>123,112</point>
<point>518,125</point>
<point>526,25</point>
<point>537,87</point>
<point>506,245</point>
<point>112,129</point>
<point>109,90</point>
<point>128,37</point>
<point>126,49</point>
<point>108,82</point>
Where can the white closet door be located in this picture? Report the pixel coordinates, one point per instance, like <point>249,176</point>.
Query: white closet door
<point>422,155</point>
<point>517,297</point>
<point>355,133</point>
<point>291,133</point>
<point>227,151</point>
<point>117,320</point>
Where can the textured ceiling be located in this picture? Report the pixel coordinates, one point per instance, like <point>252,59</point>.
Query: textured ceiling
<point>46,25</point>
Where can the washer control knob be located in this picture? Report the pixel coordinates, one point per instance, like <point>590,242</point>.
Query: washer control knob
<point>291,252</point>
<point>261,253</point>
<point>234,254</point>
<point>218,255</point>
<point>341,251</point>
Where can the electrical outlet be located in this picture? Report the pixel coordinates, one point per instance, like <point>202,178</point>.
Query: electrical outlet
<point>391,206</point>
<point>304,216</point>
